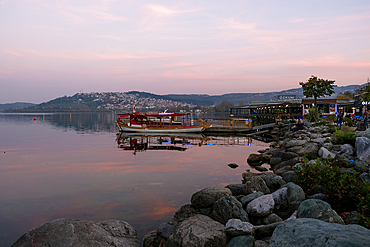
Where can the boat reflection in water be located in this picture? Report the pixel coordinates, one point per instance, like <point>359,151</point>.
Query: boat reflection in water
<point>138,142</point>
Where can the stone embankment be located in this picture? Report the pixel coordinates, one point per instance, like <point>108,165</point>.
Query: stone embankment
<point>266,209</point>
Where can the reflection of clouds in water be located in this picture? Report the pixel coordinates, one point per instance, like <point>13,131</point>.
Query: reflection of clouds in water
<point>88,177</point>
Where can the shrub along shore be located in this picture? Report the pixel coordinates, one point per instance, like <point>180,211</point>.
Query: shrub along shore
<point>316,194</point>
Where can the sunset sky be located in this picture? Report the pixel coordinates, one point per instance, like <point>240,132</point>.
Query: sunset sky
<point>52,48</point>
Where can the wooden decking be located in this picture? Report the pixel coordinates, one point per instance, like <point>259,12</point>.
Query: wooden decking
<point>237,128</point>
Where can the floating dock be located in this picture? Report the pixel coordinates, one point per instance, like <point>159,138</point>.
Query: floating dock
<point>235,126</point>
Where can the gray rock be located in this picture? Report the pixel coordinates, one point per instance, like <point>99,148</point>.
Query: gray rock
<point>248,198</point>
<point>153,239</point>
<point>280,199</point>
<point>309,151</point>
<point>245,241</point>
<point>318,209</point>
<point>362,144</point>
<point>260,243</point>
<point>328,145</point>
<point>254,158</point>
<point>365,156</point>
<point>236,189</point>
<point>255,184</point>
<point>275,160</point>
<point>366,133</point>
<point>236,227</point>
<point>288,155</point>
<point>364,177</point>
<point>319,196</point>
<point>347,149</point>
<point>307,124</point>
<point>261,168</point>
<point>208,196</point>
<point>269,219</point>
<point>265,231</point>
<point>165,230</point>
<point>294,143</point>
<point>360,166</point>
<point>320,140</point>
<point>66,232</point>
<point>198,231</point>
<point>290,163</point>
<point>288,176</point>
<point>226,208</point>
<point>185,212</point>
<point>324,153</point>
<point>272,180</point>
<point>261,206</point>
<point>283,170</point>
<point>287,201</point>
<point>312,232</point>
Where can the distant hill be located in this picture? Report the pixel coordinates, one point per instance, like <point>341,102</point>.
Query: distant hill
<point>17,105</point>
<point>120,101</point>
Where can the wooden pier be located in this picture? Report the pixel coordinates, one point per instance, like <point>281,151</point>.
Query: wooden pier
<point>235,126</point>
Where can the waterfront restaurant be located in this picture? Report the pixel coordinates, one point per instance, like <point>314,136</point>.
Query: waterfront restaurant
<point>330,107</point>
<point>268,112</point>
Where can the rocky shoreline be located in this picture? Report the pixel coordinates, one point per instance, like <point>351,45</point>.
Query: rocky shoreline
<point>266,209</point>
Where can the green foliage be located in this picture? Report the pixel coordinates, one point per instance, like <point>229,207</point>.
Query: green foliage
<point>343,189</point>
<point>316,88</point>
<point>347,121</point>
<point>331,128</point>
<point>364,205</point>
<point>311,115</point>
<point>345,136</point>
<point>224,106</point>
<point>349,94</point>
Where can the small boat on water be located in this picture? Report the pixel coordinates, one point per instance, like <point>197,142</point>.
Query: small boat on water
<point>159,123</point>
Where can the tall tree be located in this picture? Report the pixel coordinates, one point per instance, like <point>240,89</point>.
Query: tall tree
<point>316,87</point>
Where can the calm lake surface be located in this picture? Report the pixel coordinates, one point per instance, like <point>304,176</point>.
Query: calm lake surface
<point>71,166</point>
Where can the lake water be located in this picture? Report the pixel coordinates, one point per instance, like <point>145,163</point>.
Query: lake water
<point>72,166</point>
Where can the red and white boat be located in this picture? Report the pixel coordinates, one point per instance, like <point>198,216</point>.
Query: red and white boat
<point>159,123</point>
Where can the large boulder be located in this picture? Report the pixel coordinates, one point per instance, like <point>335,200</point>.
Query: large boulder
<point>185,212</point>
<point>236,189</point>
<point>312,232</point>
<point>289,163</point>
<point>347,149</point>
<point>245,241</point>
<point>309,150</point>
<point>248,198</point>
<point>226,208</point>
<point>67,232</point>
<point>362,144</point>
<point>318,209</point>
<point>261,206</point>
<point>208,196</point>
<point>272,180</point>
<point>266,231</point>
<point>324,153</point>
<point>198,231</point>
<point>287,199</point>
<point>294,143</point>
<point>255,184</point>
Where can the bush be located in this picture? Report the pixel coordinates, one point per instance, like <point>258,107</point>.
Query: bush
<point>331,129</point>
<point>347,121</point>
<point>343,190</point>
<point>345,136</point>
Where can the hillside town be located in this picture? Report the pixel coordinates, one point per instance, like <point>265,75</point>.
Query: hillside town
<point>125,101</point>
